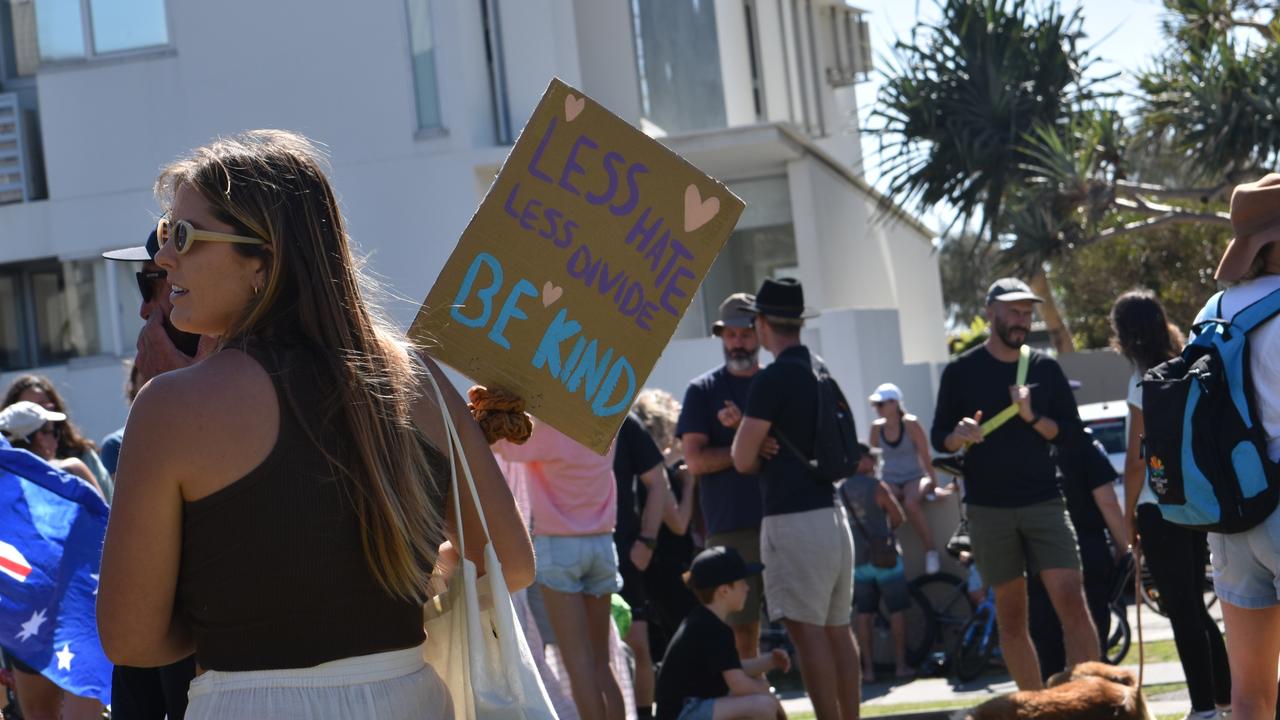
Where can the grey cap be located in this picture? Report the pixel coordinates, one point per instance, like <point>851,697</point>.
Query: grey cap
<point>735,312</point>
<point>1010,289</point>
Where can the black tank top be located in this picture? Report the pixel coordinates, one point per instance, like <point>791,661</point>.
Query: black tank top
<point>273,574</point>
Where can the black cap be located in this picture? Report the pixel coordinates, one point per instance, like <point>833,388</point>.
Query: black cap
<point>1010,290</point>
<point>782,298</point>
<point>718,566</point>
<point>139,253</point>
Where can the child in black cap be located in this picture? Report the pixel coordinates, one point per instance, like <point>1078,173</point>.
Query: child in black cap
<point>702,676</point>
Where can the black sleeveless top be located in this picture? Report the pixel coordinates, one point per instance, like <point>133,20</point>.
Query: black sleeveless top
<point>273,574</point>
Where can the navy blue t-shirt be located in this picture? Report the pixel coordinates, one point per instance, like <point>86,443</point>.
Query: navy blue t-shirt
<point>729,500</point>
<point>786,394</point>
<point>636,455</point>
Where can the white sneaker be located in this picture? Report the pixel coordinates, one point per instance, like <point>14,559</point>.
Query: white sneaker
<point>1224,713</point>
<point>931,562</point>
<point>1201,715</point>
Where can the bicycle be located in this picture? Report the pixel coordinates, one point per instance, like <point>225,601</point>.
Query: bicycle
<point>979,641</point>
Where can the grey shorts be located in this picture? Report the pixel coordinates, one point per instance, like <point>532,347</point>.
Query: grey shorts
<point>1007,542</point>
<point>583,564</point>
<point>747,543</point>
<point>1246,566</point>
<point>808,566</point>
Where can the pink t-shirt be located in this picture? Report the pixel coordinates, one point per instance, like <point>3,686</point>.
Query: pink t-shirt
<point>571,489</point>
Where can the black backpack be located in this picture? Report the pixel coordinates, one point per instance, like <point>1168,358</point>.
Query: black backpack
<point>1205,447</point>
<point>835,452</point>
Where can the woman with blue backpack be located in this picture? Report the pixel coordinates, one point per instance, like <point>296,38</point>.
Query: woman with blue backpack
<point>1246,564</point>
<point>1176,555</point>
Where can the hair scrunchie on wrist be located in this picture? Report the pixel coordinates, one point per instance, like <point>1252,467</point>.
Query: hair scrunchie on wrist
<point>500,414</point>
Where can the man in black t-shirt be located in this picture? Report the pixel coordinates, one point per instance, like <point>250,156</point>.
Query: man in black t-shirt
<point>1017,517</point>
<point>639,473</point>
<point>1088,482</point>
<point>702,676</point>
<point>804,538</point>
<point>730,501</point>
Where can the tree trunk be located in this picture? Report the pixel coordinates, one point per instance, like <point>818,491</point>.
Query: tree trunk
<point>1059,333</point>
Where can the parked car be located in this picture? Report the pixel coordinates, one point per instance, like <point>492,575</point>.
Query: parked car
<point>1109,423</point>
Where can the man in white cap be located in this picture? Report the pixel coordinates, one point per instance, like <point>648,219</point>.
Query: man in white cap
<point>1017,517</point>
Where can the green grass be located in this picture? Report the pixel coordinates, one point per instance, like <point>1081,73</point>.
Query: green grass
<point>1156,652</point>
<point>1153,691</point>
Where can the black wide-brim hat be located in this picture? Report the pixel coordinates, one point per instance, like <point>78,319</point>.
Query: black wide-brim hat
<point>139,253</point>
<point>782,298</point>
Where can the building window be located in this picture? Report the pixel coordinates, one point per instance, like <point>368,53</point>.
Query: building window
<point>81,29</point>
<point>762,245</point>
<point>48,312</point>
<point>423,50</point>
<point>678,56</point>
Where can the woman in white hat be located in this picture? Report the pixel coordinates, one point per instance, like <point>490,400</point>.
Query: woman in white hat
<point>1246,566</point>
<point>905,463</point>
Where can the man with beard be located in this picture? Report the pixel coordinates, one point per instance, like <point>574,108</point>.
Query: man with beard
<point>153,693</point>
<point>1017,517</point>
<point>730,501</point>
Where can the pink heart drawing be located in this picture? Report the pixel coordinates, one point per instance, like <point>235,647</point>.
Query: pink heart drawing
<point>698,212</point>
<point>573,106</point>
<point>550,294</point>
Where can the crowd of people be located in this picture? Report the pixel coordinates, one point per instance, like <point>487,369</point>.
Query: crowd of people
<point>280,500</point>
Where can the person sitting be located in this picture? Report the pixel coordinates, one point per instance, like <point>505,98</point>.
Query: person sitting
<point>702,676</point>
<point>875,512</point>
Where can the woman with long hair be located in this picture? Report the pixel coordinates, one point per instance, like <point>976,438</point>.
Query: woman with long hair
<point>71,444</point>
<point>281,504</point>
<point>1175,555</point>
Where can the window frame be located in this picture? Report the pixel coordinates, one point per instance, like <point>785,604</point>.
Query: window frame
<point>28,315</point>
<point>420,131</point>
<point>91,54</point>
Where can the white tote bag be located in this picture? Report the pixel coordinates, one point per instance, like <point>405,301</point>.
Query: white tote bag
<point>474,640</point>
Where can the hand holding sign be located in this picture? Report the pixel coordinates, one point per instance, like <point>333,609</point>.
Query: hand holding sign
<point>573,274</point>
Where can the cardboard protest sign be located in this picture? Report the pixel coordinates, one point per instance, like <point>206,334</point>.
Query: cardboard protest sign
<point>572,275</point>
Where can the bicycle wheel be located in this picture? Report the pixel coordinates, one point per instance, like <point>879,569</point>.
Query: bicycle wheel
<point>947,598</point>
<point>1119,640</point>
<point>973,652</point>
<point>1150,593</point>
<point>920,626</point>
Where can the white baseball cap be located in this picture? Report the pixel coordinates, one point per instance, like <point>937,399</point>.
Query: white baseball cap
<point>22,418</point>
<point>886,391</point>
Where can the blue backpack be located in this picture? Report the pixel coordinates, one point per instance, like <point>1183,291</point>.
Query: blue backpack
<point>1204,444</point>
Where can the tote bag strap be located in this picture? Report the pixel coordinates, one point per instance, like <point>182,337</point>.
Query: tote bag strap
<point>455,441</point>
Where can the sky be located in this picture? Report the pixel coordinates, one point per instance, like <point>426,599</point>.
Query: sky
<point>1122,34</point>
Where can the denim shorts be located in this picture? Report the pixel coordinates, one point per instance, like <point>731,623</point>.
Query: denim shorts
<point>583,564</point>
<point>1246,566</point>
<point>871,584</point>
<point>697,709</point>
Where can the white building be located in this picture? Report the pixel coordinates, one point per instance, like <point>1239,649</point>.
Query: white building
<point>418,101</point>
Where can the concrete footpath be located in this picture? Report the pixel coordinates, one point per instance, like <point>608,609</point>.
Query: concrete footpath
<point>995,683</point>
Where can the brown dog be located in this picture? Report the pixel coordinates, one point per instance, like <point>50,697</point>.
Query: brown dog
<point>1088,691</point>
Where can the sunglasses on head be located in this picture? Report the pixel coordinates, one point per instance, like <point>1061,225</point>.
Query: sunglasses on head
<point>184,235</point>
<point>147,280</point>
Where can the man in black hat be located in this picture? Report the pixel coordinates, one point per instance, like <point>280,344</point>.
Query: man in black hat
<point>804,537</point>
<point>702,676</point>
<point>730,501</point>
<point>1017,517</point>
<point>153,693</point>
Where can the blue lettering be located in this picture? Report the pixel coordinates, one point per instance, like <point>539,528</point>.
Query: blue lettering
<point>485,295</point>
<point>548,352</point>
<point>511,309</point>
<point>598,406</point>
<point>589,370</point>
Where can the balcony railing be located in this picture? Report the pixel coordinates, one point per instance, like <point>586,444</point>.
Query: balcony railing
<point>19,175</point>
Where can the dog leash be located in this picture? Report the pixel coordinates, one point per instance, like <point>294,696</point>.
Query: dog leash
<point>1137,601</point>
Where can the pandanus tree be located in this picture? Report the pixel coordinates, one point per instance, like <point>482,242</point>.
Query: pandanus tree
<point>994,111</point>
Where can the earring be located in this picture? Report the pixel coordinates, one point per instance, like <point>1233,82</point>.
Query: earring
<point>256,290</point>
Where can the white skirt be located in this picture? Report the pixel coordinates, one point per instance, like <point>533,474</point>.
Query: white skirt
<point>386,686</point>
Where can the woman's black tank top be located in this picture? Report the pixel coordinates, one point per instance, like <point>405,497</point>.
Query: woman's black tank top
<point>273,574</point>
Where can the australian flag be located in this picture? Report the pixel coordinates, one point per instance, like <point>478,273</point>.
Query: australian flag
<point>51,530</point>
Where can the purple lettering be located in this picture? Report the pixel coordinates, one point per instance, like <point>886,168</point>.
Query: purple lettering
<point>530,213</point>
<point>654,255</point>
<point>552,215</point>
<point>678,250</point>
<point>537,153</point>
<point>636,293</point>
<point>569,227</point>
<point>610,159</point>
<point>634,197</point>
<point>638,230</point>
<point>645,316</point>
<point>607,283</point>
<point>587,274</point>
<point>673,289</point>
<point>571,166</point>
<point>510,199</point>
